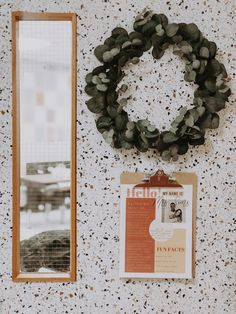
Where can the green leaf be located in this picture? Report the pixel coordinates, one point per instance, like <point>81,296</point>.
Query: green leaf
<point>134,52</point>
<point>189,121</point>
<point>126,44</point>
<point>174,149</point>
<point>195,135</point>
<point>183,130</point>
<point>160,19</point>
<point>95,105</point>
<point>141,145</point>
<point>195,142</point>
<point>110,41</point>
<point>204,53</point>
<point>198,101</point>
<point>129,134</point>
<point>135,60</point>
<point>223,89</point>
<point>130,125</point>
<point>88,78</point>
<point>190,76</point>
<point>177,39</point>
<point>122,60</point>
<point>177,51</point>
<point>200,110</point>
<point>210,85</point>
<point>102,87</point>
<point>196,64</point>
<point>91,90</point>
<point>185,47</point>
<point>151,135</point>
<point>183,147</point>
<point>169,137</point>
<point>215,121</point>
<point>156,41</point>
<point>171,29</point>
<point>214,67</point>
<point>183,110</point>
<point>151,128</point>
<point>105,81</point>
<point>103,123</point>
<point>136,35</point>
<point>158,27</point>
<point>108,136</point>
<point>147,44</point>
<point>192,57</point>
<point>127,145</point>
<point>99,51</point>
<point>212,49</point>
<point>157,52</point>
<point>225,92</point>
<point>107,56</point>
<point>144,122</point>
<point>142,22</point>
<point>166,155</point>
<point>111,96</point>
<point>142,125</point>
<point>115,51</point>
<point>192,31</point>
<point>195,127</point>
<point>159,30</point>
<point>214,104</point>
<point>121,39</point>
<point>99,69</point>
<point>112,111</point>
<point>121,121</point>
<point>124,88</point>
<point>119,31</point>
<point>149,27</point>
<point>175,158</point>
<point>188,67</point>
<point>123,102</point>
<point>223,70</point>
<point>202,68</point>
<point>96,80</point>
<point>137,42</point>
<point>102,75</point>
<point>194,113</point>
<point>177,121</point>
<point>144,138</point>
<point>165,46</point>
<point>206,121</point>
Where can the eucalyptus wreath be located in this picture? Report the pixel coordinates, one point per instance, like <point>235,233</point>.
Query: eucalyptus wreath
<point>153,31</point>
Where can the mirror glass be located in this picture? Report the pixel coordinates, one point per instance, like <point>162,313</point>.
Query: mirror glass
<point>44,91</point>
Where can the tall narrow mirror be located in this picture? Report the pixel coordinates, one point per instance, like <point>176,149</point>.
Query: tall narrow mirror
<point>44,173</point>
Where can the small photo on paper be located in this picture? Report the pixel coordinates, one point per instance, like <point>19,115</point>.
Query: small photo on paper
<point>173,211</point>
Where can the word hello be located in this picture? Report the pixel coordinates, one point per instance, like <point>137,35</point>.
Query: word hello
<point>142,193</point>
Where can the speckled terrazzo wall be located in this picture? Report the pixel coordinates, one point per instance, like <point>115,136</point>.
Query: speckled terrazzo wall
<point>161,90</point>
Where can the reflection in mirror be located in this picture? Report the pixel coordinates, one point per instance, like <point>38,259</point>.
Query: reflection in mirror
<point>44,99</point>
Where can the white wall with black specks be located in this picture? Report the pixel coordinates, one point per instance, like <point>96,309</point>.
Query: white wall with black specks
<point>160,91</point>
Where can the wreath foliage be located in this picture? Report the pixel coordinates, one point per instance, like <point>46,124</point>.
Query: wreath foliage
<point>153,31</point>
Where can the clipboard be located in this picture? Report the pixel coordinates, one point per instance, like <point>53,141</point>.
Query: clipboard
<point>159,180</point>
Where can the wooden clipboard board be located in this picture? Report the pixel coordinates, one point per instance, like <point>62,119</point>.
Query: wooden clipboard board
<point>182,178</point>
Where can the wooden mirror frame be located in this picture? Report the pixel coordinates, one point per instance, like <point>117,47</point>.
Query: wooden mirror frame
<point>17,275</point>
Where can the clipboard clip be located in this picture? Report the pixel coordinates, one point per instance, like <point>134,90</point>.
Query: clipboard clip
<point>159,179</point>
